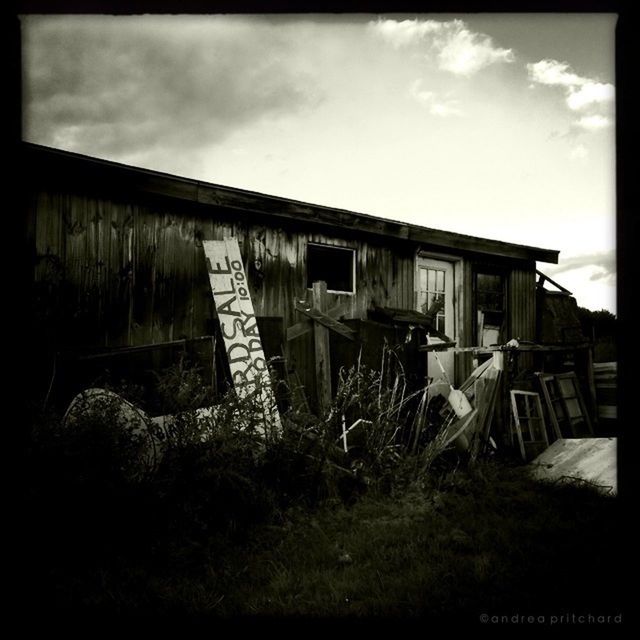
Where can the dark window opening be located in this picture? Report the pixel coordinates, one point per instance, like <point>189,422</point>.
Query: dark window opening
<point>334,265</point>
<point>490,309</point>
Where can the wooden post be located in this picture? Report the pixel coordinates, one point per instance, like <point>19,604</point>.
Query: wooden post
<point>593,401</point>
<point>504,363</point>
<point>322,357</point>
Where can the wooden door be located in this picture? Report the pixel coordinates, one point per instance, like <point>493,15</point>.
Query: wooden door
<point>435,281</point>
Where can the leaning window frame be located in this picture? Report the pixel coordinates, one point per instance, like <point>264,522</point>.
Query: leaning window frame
<point>339,248</point>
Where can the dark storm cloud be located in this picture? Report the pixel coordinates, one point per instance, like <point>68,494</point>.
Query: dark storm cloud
<point>604,261</point>
<point>115,86</point>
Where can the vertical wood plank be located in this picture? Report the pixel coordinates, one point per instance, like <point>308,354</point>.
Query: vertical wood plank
<point>183,240</point>
<point>321,341</point>
<point>202,301</point>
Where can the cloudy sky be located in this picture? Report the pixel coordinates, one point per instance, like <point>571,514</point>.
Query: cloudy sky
<point>500,125</point>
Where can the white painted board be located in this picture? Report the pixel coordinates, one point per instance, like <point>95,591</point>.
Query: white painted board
<point>249,370</point>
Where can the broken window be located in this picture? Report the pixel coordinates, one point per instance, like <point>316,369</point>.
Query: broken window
<point>333,265</point>
<point>490,308</point>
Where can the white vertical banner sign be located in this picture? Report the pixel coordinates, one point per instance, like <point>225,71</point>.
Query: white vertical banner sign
<point>238,324</point>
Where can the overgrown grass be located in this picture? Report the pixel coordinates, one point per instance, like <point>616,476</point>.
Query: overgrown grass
<point>230,524</point>
<point>486,542</point>
<point>490,541</point>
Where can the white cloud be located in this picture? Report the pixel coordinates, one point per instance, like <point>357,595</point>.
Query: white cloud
<point>594,122</point>
<point>601,263</point>
<point>581,94</point>
<point>416,91</point>
<point>445,109</point>
<point>465,53</point>
<point>590,93</point>
<point>406,32</point>
<point>579,152</point>
<point>111,86</point>
<point>437,106</point>
<point>456,48</point>
<point>552,72</point>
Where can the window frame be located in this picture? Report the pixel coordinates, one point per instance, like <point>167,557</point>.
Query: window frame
<point>490,270</point>
<point>337,248</point>
<point>443,313</point>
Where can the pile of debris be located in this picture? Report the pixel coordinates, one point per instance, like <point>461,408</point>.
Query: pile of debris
<point>531,411</point>
<point>467,417</point>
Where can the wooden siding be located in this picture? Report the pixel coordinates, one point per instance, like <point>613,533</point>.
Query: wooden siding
<point>521,297</point>
<point>56,168</point>
<point>521,300</point>
<point>114,273</point>
<point>127,270</point>
<point>127,274</point>
<point>464,290</point>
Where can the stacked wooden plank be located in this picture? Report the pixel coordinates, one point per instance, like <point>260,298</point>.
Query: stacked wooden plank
<point>606,381</point>
<point>485,393</point>
<point>481,389</point>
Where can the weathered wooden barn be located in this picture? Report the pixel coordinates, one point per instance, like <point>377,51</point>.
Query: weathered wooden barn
<point>117,260</point>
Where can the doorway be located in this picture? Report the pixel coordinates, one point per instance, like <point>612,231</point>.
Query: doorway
<point>435,280</point>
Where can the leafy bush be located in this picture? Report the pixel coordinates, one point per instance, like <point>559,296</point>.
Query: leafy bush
<point>182,387</point>
<point>387,426</point>
<point>218,471</point>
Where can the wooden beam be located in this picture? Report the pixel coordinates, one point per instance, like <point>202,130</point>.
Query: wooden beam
<point>410,316</point>
<point>322,318</point>
<point>439,346</point>
<point>322,350</point>
<point>475,374</point>
<point>300,328</point>
<point>524,348</point>
<point>117,351</point>
<point>445,239</point>
<point>544,277</point>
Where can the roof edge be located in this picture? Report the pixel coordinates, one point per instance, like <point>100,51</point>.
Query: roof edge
<point>207,193</point>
